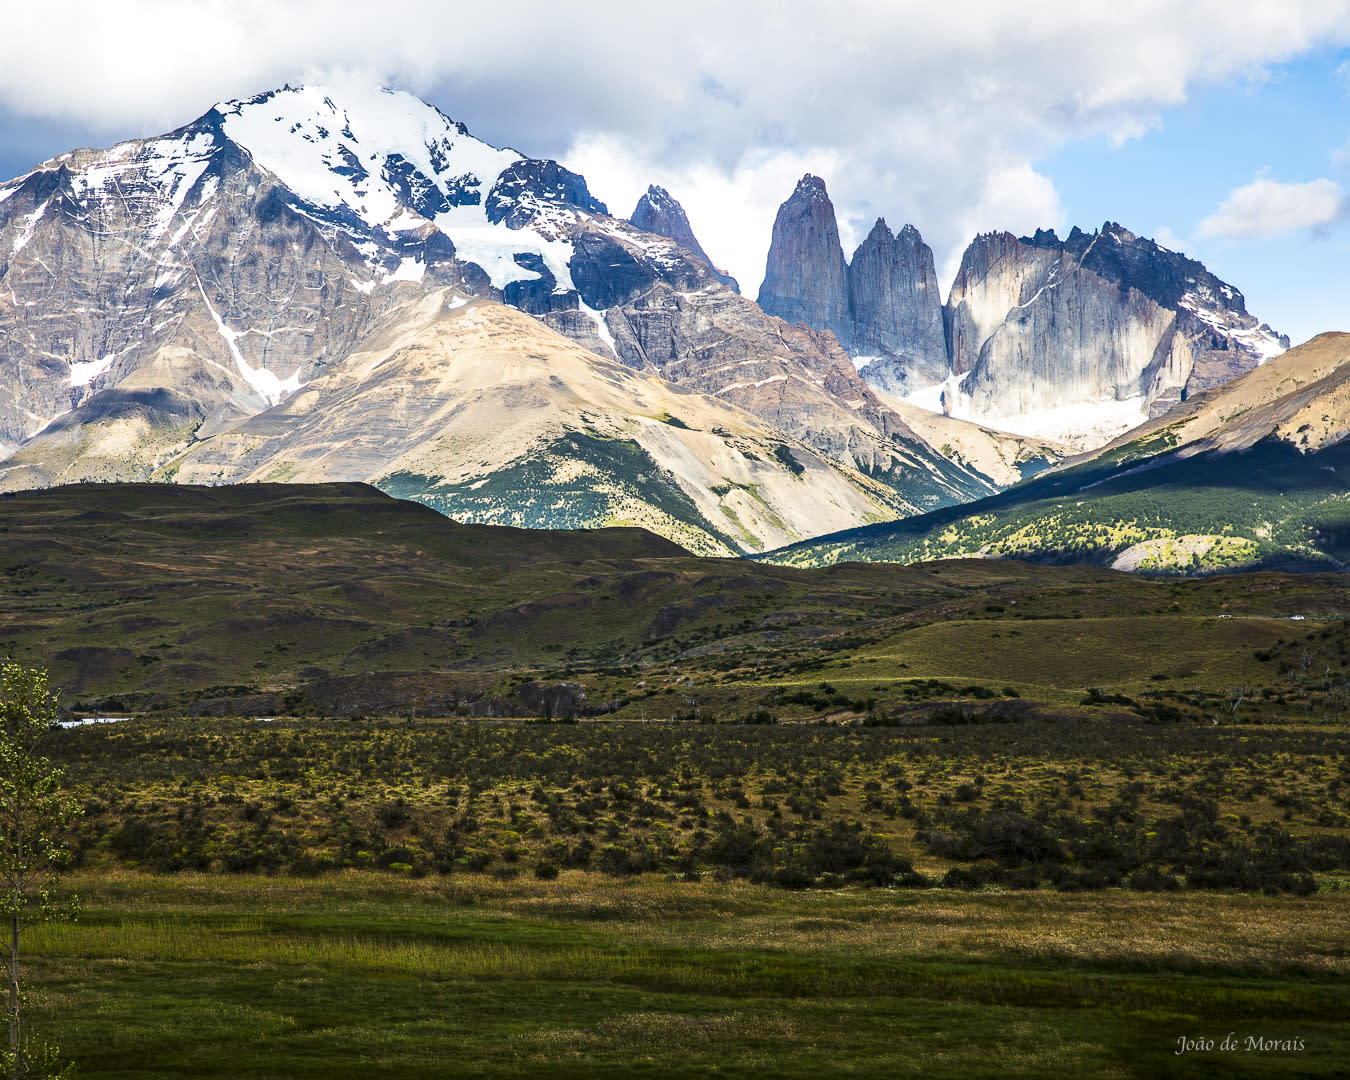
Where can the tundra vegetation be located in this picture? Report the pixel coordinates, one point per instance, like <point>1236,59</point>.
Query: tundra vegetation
<point>391,793</point>
<point>383,897</point>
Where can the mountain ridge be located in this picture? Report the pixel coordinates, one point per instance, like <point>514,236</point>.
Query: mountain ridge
<point>178,305</point>
<point>1070,341</point>
<point>1243,476</point>
<point>199,279</point>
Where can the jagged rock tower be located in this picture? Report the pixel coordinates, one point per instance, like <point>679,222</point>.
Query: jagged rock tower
<point>897,308</point>
<point>1074,340</point>
<point>806,279</point>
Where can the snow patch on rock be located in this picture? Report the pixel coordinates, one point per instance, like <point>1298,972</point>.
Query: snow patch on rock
<point>602,328</point>
<point>272,389</point>
<point>83,372</point>
<point>1262,342</point>
<point>1078,426</point>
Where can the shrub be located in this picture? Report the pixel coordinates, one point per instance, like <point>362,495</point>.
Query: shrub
<point>394,814</point>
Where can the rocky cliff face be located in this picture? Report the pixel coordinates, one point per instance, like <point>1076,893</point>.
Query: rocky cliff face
<point>1225,341</point>
<point>884,307</point>
<point>1034,333</point>
<point>170,276</point>
<point>1083,338</point>
<point>991,281</point>
<point>1072,341</point>
<point>897,310</point>
<point>806,278</point>
<point>1300,398</point>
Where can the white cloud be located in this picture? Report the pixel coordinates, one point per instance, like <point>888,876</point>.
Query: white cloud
<point>910,111</point>
<point>1268,207</point>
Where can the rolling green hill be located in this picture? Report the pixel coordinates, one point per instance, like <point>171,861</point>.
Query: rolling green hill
<point>1266,507</point>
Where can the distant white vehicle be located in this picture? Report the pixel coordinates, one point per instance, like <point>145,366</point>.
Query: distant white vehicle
<point>1295,618</point>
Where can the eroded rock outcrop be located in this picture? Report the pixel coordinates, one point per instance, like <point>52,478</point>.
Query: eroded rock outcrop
<point>170,272</point>
<point>1072,341</point>
<point>1084,338</point>
<point>1032,331</point>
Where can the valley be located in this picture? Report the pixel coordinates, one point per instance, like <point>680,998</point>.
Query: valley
<point>554,799</point>
<point>401,639</point>
<point>1244,476</point>
<point>485,635</point>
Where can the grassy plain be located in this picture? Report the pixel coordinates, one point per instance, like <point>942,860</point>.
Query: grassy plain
<point>965,818</point>
<point>359,975</point>
<point>267,599</point>
<point>488,898</point>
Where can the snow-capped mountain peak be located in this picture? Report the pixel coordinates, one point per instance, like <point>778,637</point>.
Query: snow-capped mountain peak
<point>383,161</point>
<point>383,155</point>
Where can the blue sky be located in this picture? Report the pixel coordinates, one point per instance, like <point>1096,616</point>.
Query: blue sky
<point>1219,127</point>
<point>1291,127</point>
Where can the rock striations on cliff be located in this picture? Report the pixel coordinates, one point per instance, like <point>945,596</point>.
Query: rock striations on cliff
<point>1088,337</point>
<point>806,279</point>
<point>1224,339</point>
<point>884,306</point>
<point>896,308</point>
